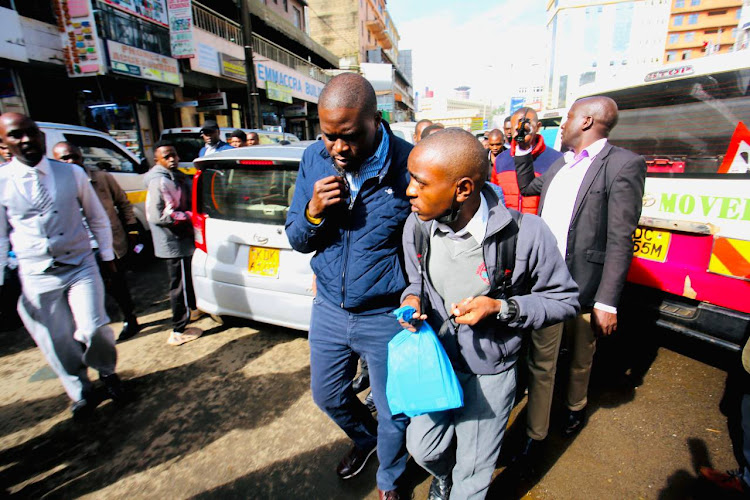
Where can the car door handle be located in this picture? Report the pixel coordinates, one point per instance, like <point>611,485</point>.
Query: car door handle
<point>260,239</point>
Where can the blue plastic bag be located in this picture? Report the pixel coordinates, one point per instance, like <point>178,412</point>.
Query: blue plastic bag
<point>420,376</point>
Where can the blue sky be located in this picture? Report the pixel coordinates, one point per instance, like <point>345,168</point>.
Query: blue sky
<point>461,43</point>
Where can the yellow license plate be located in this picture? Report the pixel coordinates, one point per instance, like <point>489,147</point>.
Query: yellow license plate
<point>263,262</point>
<point>650,244</point>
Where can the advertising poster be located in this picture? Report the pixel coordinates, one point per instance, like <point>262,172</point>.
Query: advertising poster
<point>82,49</point>
<point>181,28</point>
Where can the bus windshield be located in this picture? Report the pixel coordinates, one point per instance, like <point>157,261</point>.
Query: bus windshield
<point>688,121</point>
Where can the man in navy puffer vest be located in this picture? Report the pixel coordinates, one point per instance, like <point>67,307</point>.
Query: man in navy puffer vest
<point>349,208</point>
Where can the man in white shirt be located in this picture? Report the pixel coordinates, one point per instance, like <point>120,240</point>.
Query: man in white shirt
<point>591,199</point>
<point>62,304</point>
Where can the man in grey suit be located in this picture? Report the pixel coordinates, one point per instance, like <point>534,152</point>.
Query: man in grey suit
<point>591,199</point>
<point>62,303</point>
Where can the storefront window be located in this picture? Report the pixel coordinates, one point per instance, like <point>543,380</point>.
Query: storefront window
<point>116,120</point>
<point>130,30</point>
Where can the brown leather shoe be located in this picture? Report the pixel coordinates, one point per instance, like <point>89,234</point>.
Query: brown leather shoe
<point>388,495</point>
<point>354,461</point>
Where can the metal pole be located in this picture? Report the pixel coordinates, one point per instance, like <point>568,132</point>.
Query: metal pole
<point>253,101</point>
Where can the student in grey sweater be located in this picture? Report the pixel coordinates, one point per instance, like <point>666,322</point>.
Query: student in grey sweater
<point>464,223</point>
<point>169,217</point>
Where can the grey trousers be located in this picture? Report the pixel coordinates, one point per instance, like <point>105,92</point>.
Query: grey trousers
<point>478,429</point>
<point>63,310</point>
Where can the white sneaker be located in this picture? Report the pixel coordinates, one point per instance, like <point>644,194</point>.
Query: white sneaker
<point>179,338</point>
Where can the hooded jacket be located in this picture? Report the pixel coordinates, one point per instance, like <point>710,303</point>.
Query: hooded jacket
<point>358,259</point>
<point>541,286</point>
<point>167,204</point>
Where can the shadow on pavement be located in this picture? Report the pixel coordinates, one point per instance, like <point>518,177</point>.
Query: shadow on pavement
<point>620,364</point>
<point>180,411</point>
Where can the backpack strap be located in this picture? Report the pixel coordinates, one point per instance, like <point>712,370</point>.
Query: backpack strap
<point>420,244</point>
<point>502,279</point>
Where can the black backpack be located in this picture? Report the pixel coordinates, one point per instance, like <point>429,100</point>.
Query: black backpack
<point>500,282</point>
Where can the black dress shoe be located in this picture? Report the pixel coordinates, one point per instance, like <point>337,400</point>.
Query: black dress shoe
<point>116,390</point>
<point>130,328</point>
<point>370,403</point>
<point>440,488</point>
<point>575,422</point>
<point>83,409</point>
<point>361,383</point>
<point>354,461</point>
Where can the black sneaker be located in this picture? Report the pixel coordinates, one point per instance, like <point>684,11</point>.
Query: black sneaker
<point>440,488</point>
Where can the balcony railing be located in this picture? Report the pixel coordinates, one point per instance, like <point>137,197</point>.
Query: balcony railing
<point>223,27</point>
<point>216,24</point>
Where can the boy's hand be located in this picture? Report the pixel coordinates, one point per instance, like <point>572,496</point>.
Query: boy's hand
<point>413,301</point>
<point>472,310</point>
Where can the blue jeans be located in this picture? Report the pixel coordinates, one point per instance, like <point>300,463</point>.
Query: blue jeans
<point>334,335</point>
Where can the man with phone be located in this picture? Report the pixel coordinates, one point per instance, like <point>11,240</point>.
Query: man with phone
<point>349,207</point>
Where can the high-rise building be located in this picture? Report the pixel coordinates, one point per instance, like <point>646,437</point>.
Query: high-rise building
<point>701,27</point>
<point>591,40</point>
<point>362,34</point>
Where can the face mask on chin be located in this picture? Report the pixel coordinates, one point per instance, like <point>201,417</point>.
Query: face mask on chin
<point>451,215</point>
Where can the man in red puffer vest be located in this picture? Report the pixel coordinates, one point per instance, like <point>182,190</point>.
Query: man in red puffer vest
<point>504,173</point>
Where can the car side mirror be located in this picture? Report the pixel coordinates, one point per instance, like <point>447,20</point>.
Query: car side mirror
<point>143,166</point>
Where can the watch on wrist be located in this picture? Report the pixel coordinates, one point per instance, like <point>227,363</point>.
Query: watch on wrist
<point>508,310</point>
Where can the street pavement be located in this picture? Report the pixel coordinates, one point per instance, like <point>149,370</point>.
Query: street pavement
<point>231,416</point>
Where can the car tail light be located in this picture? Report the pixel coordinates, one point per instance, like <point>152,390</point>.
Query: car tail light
<point>199,218</point>
<point>254,162</point>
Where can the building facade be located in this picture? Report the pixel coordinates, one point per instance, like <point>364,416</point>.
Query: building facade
<point>362,34</point>
<point>133,69</point>
<point>702,27</point>
<point>591,40</point>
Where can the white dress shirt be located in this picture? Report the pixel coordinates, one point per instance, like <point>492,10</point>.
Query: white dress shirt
<point>561,197</point>
<point>476,227</point>
<point>30,232</point>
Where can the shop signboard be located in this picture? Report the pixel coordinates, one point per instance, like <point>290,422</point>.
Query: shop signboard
<point>296,110</point>
<point>151,10</point>
<point>143,64</point>
<point>207,60</point>
<point>516,103</point>
<point>181,28</point>
<point>277,92</point>
<point>12,44</point>
<point>212,102</point>
<point>82,48</point>
<point>301,86</point>
<point>232,67</point>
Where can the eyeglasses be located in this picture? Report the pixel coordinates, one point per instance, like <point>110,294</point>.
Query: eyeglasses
<point>70,157</point>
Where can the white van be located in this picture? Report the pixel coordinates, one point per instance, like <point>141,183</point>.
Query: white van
<point>243,265</point>
<point>101,151</point>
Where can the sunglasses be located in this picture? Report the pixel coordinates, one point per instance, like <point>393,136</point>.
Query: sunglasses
<point>70,157</point>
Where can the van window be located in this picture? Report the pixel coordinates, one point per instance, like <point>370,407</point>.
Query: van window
<point>101,153</point>
<point>689,120</point>
<point>255,194</point>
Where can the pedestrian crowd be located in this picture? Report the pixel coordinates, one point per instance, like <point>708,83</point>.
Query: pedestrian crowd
<point>501,250</point>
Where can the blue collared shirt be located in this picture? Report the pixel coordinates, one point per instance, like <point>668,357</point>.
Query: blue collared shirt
<point>370,168</point>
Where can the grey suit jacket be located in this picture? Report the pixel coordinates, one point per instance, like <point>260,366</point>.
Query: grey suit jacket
<point>605,214</point>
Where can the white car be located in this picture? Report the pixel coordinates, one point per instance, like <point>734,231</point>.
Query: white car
<point>243,264</point>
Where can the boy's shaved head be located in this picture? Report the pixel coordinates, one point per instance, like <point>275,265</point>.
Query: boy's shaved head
<point>458,153</point>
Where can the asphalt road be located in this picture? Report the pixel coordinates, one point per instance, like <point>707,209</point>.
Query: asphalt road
<point>230,416</point>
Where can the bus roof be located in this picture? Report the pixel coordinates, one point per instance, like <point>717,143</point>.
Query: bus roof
<point>717,63</point>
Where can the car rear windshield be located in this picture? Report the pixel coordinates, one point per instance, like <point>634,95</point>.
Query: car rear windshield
<point>189,144</point>
<point>247,193</point>
<point>690,120</point>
